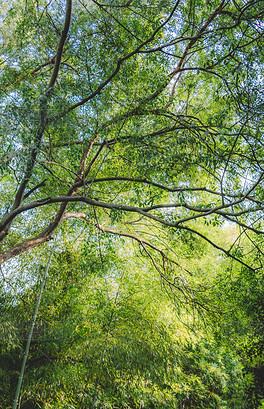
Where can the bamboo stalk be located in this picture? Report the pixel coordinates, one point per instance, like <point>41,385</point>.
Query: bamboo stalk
<point>16,403</point>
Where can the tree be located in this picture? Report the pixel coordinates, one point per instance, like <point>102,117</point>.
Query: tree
<point>132,114</point>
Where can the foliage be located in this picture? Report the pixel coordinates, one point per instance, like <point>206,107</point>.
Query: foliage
<point>111,338</point>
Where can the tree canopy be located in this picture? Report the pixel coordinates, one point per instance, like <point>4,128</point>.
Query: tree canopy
<point>132,153</point>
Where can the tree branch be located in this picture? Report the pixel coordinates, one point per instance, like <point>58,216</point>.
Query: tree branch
<point>43,108</point>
